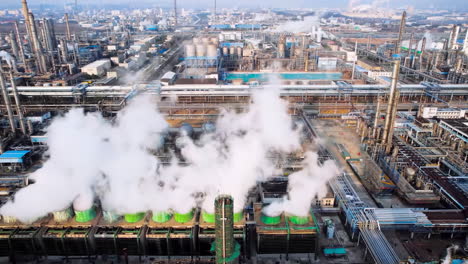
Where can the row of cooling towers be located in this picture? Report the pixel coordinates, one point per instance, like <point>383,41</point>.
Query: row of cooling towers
<point>208,47</point>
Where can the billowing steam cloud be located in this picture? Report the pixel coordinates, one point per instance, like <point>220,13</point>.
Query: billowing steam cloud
<point>91,158</point>
<point>304,186</point>
<point>305,26</point>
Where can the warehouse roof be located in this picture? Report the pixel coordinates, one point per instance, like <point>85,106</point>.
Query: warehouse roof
<point>13,156</point>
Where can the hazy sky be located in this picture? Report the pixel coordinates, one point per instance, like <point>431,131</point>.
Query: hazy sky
<point>446,4</point>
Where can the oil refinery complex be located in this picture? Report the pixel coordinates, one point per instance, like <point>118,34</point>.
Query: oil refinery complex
<point>375,105</point>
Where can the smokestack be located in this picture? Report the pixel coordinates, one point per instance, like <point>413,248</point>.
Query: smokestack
<point>465,44</point>
<point>423,48</point>
<point>400,34</point>
<point>6,99</point>
<point>21,48</point>
<point>410,50</point>
<point>64,50</point>
<point>175,13</point>
<point>68,27</point>
<point>391,108</point>
<point>224,229</point>
<point>453,37</point>
<point>37,46</point>
<point>26,18</point>
<point>18,105</point>
<point>214,12</point>
<point>376,119</point>
<point>14,45</point>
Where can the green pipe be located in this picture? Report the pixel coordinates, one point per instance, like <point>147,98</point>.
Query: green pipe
<point>161,217</point>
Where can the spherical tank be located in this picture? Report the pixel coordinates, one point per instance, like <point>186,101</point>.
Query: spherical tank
<point>200,50</point>
<point>212,51</point>
<point>189,50</point>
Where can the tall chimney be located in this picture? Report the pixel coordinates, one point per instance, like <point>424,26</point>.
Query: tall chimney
<point>6,100</point>
<point>26,18</point>
<point>391,108</point>
<point>68,27</point>
<point>175,13</point>
<point>18,105</point>
<point>21,48</point>
<point>400,34</point>
<point>453,37</point>
<point>37,46</point>
<point>410,50</point>
<point>14,45</point>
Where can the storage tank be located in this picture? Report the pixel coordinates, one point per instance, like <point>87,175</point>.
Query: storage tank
<point>239,51</point>
<point>161,216</point>
<point>189,50</point>
<point>225,51</point>
<point>183,217</point>
<point>196,40</point>
<point>232,51</point>
<point>410,173</point>
<point>205,40</point>
<point>200,50</point>
<point>212,51</point>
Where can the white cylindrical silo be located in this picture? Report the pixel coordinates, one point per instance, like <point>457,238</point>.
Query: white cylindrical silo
<point>196,40</point>
<point>239,51</point>
<point>214,40</point>
<point>205,40</point>
<point>212,51</point>
<point>232,51</point>
<point>189,50</point>
<point>200,50</point>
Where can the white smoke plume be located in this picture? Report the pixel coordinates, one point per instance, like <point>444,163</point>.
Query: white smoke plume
<point>304,186</point>
<point>304,26</point>
<point>9,59</point>
<point>450,251</point>
<point>90,157</point>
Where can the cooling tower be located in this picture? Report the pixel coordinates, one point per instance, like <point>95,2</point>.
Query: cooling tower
<point>183,217</point>
<point>63,216</point>
<point>85,216</point>
<point>110,217</point>
<point>207,217</point>
<point>270,220</point>
<point>133,218</point>
<point>161,217</point>
<point>298,220</point>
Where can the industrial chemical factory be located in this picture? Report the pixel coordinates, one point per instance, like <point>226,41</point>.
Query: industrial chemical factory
<point>226,135</point>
